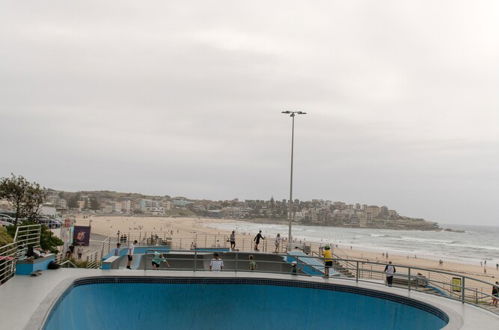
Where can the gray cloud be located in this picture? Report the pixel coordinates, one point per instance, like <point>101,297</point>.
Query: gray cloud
<point>185,99</point>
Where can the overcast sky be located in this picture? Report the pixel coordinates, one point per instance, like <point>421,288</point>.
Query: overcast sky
<point>184,98</point>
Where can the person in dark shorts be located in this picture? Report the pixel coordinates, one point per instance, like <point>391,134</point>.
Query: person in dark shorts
<point>328,260</point>
<point>389,271</point>
<point>232,240</point>
<point>495,294</point>
<point>257,239</point>
<point>131,249</point>
<point>157,260</point>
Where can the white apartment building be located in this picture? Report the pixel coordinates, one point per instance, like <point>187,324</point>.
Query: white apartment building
<point>126,206</point>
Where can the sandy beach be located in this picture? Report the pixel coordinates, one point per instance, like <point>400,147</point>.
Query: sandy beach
<point>184,231</point>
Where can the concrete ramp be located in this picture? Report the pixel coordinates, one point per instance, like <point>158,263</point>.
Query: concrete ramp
<point>309,265</point>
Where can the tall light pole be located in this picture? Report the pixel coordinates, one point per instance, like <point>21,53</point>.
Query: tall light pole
<point>292,114</point>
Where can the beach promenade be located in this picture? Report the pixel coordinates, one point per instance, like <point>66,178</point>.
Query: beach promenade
<point>184,231</point>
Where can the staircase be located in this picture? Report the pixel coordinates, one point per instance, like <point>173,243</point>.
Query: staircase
<point>342,270</point>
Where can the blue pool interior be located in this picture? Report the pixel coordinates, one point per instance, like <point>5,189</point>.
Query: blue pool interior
<point>218,305</point>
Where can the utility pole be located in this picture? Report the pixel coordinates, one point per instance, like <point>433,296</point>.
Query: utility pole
<point>292,114</point>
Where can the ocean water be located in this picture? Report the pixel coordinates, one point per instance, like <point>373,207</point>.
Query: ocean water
<point>475,244</point>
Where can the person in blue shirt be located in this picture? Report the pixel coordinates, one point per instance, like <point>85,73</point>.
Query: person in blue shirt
<point>158,259</point>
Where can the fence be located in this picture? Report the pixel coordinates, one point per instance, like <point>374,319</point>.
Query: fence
<point>193,240</point>
<point>94,257</point>
<point>25,236</point>
<point>8,256</point>
<point>440,283</point>
<point>451,285</point>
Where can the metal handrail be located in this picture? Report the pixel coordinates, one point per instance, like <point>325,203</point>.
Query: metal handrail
<point>9,254</point>
<point>68,262</point>
<point>184,241</point>
<point>8,257</point>
<point>467,289</point>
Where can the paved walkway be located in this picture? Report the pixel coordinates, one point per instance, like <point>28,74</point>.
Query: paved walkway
<point>25,301</point>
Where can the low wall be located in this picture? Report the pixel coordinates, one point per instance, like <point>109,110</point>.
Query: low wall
<point>26,267</point>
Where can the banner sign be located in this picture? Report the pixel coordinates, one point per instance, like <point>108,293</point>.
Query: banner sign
<point>456,284</point>
<point>81,235</point>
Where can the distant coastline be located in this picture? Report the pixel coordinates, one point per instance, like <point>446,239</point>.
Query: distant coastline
<point>429,226</point>
<point>425,225</point>
<point>315,212</point>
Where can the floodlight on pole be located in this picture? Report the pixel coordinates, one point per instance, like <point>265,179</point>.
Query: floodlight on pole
<point>292,114</point>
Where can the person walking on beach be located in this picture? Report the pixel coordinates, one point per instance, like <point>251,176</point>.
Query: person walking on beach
<point>390,271</point>
<point>131,250</point>
<point>277,243</point>
<point>257,239</point>
<point>252,263</point>
<point>495,294</point>
<point>232,240</point>
<point>216,264</point>
<point>328,260</point>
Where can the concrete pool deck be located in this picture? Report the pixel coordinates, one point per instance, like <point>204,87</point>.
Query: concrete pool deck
<point>25,301</point>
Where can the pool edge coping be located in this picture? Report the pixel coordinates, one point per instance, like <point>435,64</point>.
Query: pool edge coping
<point>42,313</point>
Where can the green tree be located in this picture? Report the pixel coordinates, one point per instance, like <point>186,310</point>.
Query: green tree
<point>94,203</point>
<point>35,196</point>
<point>73,201</point>
<point>5,238</point>
<point>48,241</point>
<point>25,196</point>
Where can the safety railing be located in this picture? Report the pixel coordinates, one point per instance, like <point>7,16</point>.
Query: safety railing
<point>89,259</point>
<point>8,257</point>
<point>430,281</point>
<point>207,241</point>
<point>25,236</point>
<point>94,257</point>
<point>198,260</point>
<point>28,235</point>
<point>68,264</point>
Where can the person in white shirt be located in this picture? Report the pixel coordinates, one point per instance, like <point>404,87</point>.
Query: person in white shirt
<point>216,264</point>
<point>131,249</point>
<point>277,243</point>
<point>390,271</point>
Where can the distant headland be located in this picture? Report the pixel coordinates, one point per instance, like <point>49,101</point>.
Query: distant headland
<point>314,212</point>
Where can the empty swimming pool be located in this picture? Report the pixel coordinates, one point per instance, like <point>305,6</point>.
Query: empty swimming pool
<point>233,303</point>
